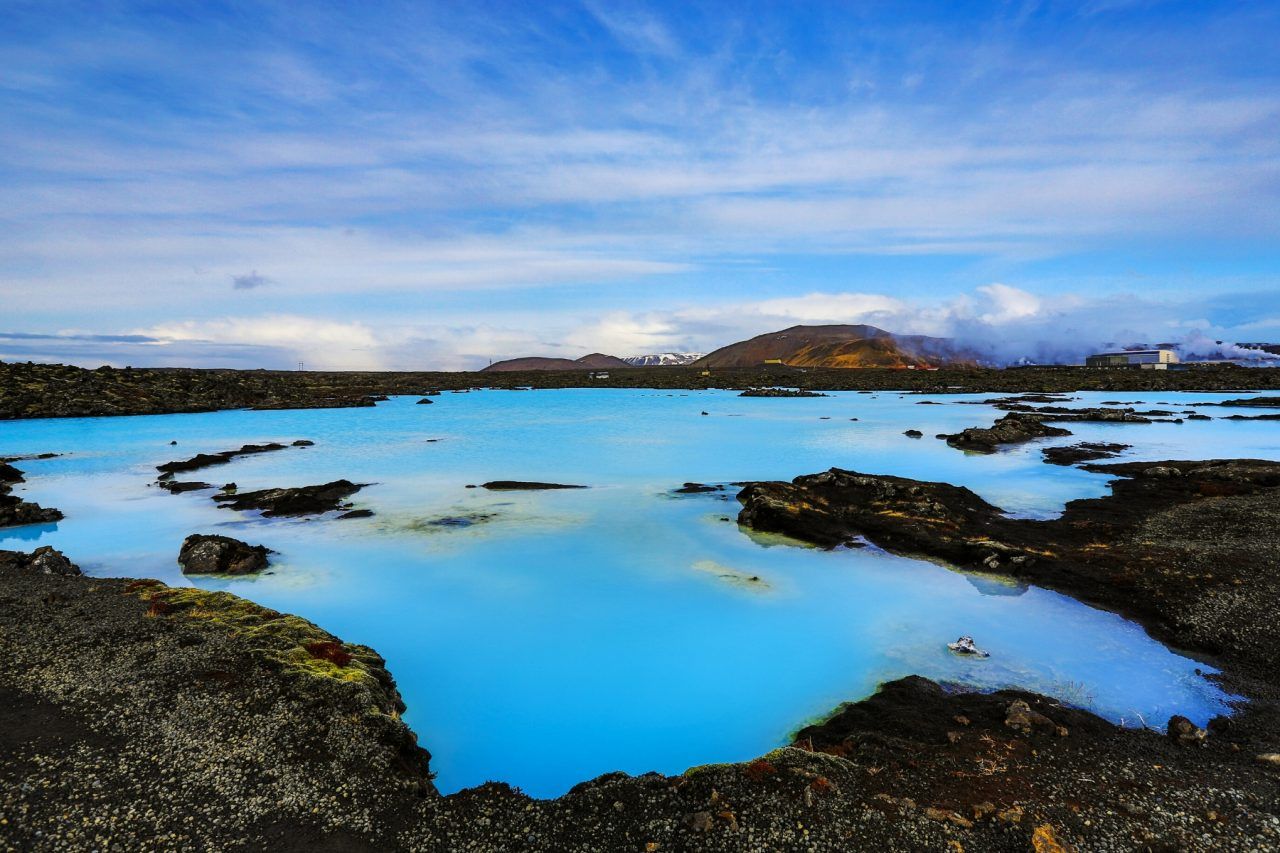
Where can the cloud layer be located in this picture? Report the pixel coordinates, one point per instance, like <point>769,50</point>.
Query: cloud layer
<point>449,184</point>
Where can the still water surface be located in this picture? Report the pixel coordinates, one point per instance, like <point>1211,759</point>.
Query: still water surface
<point>565,634</point>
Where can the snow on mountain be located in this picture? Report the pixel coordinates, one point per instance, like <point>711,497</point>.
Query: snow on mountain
<point>663,359</point>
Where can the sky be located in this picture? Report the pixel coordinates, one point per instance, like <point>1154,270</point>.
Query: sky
<point>432,185</point>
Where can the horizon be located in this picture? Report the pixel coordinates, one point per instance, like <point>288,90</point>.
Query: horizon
<point>435,188</point>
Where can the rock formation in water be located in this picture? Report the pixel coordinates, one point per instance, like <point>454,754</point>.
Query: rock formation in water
<point>779,392</point>
<point>523,486</point>
<point>15,511</point>
<point>1013,428</point>
<point>206,554</point>
<point>205,460</point>
<point>137,715</point>
<point>303,500</point>
<point>1184,547</point>
<point>1085,451</point>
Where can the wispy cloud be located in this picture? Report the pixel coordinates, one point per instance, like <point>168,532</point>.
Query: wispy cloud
<point>624,160</point>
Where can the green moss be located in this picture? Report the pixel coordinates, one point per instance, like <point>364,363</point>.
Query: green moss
<point>278,637</point>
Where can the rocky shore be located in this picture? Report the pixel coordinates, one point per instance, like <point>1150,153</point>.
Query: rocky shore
<point>52,390</point>
<point>133,714</point>
<point>13,509</point>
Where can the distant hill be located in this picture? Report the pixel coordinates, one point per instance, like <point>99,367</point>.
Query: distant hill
<point>663,359</point>
<point>594,361</point>
<point>838,346</point>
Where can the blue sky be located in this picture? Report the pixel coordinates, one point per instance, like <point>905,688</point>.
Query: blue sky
<point>418,185</point>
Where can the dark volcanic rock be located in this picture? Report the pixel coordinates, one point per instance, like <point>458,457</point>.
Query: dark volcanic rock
<point>52,390</point>
<point>14,511</point>
<point>233,724</point>
<point>1263,402</point>
<point>1086,451</point>
<point>304,442</point>
<point>1013,428</point>
<point>304,500</point>
<point>779,392</point>
<point>44,560</point>
<point>425,402</point>
<point>204,554</point>
<point>913,433</point>
<point>1187,548</point>
<point>523,486</point>
<point>357,513</point>
<point>177,487</point>
<point>204,460</point>
<point>698,488</point>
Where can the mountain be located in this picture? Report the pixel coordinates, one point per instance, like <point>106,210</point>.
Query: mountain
<point>594,361</point>
<point>663,359</point>
<point>838,346</point>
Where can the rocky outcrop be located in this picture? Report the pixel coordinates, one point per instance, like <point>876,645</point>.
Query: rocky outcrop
<point>205,460</point>
<point>44,560</point>
<point>303,500</point>
<point>1086,451</point>
<point>779,392</point>
<point>1261,402</point>
<point>205,554</point>
<point>1013,428</point>
<point>14,511</point>
<point>1187,548</point>
<point>239,727</point>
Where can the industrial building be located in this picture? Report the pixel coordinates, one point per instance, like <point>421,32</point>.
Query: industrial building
<point>1147,359</point>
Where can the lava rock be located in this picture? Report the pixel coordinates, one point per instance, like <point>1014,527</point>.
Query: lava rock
<point>204,554</point>
<point>1013,428</point>
<point>303,500</point>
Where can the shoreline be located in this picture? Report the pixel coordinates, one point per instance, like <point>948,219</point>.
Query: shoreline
<point>29,391</point>
<point>210,720</point>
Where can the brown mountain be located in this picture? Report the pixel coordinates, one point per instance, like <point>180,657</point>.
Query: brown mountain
<point>594,361</point>
<point>838,346</point>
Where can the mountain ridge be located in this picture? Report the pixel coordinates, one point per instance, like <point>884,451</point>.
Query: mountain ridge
<point>828,346</point>
<point>839,345</point>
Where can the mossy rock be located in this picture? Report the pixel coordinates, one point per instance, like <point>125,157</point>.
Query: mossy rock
<point>299,649</point>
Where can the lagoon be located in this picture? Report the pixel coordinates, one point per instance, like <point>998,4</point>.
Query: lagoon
<point>543,638</point>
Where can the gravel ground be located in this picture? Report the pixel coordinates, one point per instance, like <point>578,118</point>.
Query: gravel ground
<point>134,716</point>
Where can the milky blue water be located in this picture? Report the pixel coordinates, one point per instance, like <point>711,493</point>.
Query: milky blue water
<point>574,633</point>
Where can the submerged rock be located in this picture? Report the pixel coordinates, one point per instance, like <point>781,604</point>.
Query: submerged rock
<point>206,554</point>
<point>303,500</point>
<point>176,486</point>
<point>523,486</point>
<point>697,489</point>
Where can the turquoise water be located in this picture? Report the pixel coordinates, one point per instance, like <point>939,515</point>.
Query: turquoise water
<point>572,633</point>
